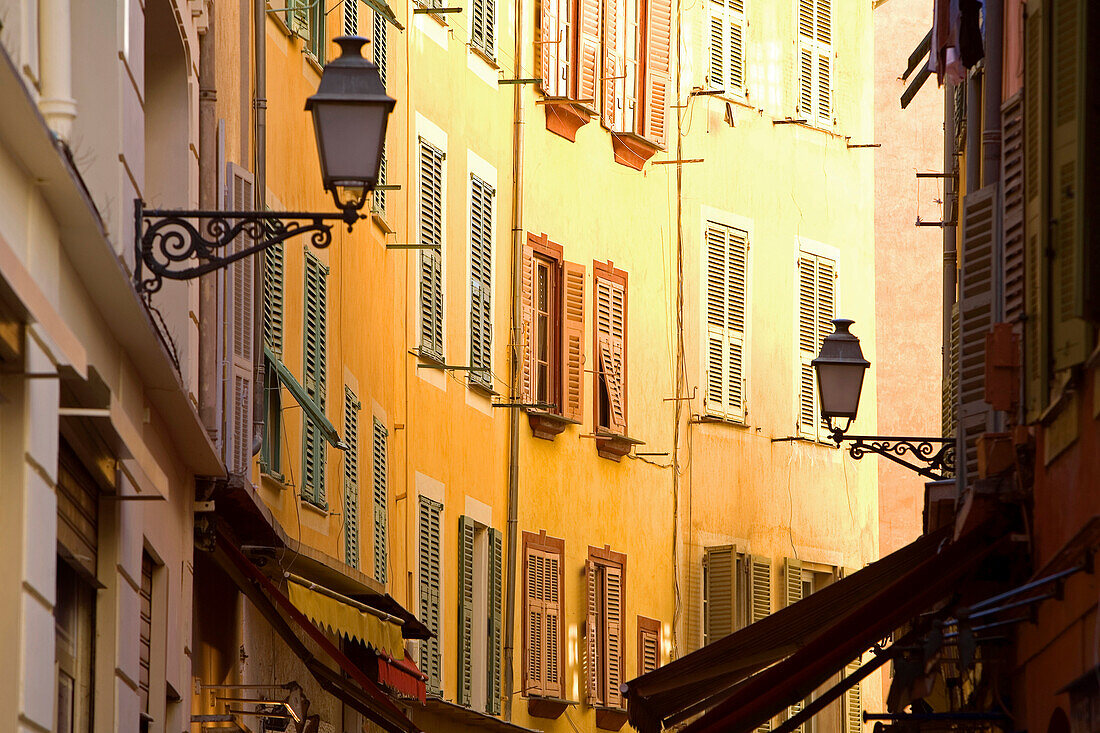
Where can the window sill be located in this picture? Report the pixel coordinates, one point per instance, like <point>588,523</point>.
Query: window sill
<point>427,356</point>
<point>614,447</point>
<point>481,388</point>
<point>719,420</point>
<point>278,18</point>
<point>632,150</point>
<point>380,221</point>
<point>312,61</point>
<point>273,478</point>
<point>546,707</point>
<point>566,118</point>
<point>440,18</point>
<point>484,56</point>
<point>319,509</point>
<point>610,718</point>
<point>548,425</point>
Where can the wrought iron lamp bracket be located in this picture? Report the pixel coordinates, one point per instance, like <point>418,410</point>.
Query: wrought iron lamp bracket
<point>182,245</point>
<point>933,458</point>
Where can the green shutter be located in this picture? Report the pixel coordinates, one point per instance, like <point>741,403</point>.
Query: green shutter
<point>351,478</point>
<point>1036,88</point>
<point>273,297</point>
<point>481,280</point>
<point>430,576</point>
<point>466,532</point>
<point>270,453</point>
<point>496,581</point>
<point>381,502</point>
<point>351,17</point>
<point>720,565</point>
<point>313,378</point>
<point>431,260</point>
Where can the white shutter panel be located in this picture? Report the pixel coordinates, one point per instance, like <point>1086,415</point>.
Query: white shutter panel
<point>238,455</point>
<point>727,261</point>
<point>351,17</point>
<point>816,310</point>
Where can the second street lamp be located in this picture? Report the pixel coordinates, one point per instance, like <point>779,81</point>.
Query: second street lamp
<point>840,368</point>
<point>350,113</point>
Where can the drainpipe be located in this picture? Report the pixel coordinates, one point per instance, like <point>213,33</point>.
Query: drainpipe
<point>994,70</point>
<point>56,103</point>
<point>208,199</point>
<point>259,45</point>
<point>517,367</point>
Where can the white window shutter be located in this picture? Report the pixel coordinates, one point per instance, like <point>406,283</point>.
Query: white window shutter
<point>727,288</point>
<point>241,299</point>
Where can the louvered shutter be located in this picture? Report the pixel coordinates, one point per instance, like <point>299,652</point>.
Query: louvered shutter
<point>298,19</point>
<point>649,645</point>
<point>718,592</point>
<point>624,76</point>
<point>431,260</point>
<point>351,17</point>
<point>760,587</point>
<point>588,46</point>
<point>815,57</point>
<point>949,420</point>
<point>612,657</point>
<point>853,703</point>
<point>816,310</point>
<point>378,195</point>
<point>535,612</point>
<point>727,52</point>
<point>466,531</point>
<point>553,47</point>
<point>573,341</point>
<point>380,56</point>
<point>274,269</point>
<point>727,258</point>
<point>527,325</point>
<point>429,552</point>
<point>495,584</point>
<point>315,363</point>
<point>593,647</point>
<point>1036,88</point>
<point>611,342</point>
<point>145,630</point>
<point>658,36</point>
<point>381,501</point>
<point>792,594</point>
<point>481,279</point>
<point>1012,202</point>
<point>552,653</point>
<point>351,478</point>
<point>241,324</point>
<point>612,65</point>
<point>482,26</point>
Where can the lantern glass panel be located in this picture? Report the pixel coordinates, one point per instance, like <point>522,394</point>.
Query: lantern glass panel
<point>349,141</point>
<point>839,387</point>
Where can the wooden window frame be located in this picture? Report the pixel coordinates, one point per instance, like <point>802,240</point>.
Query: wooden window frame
<point>607,271</point>
<point>481,349</point>
<point>424,145</point>
<point>539,703</point>
<point>648,627</point>
<point>724,409</point>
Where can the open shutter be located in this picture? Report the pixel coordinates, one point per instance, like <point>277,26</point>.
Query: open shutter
<point>792,594</point>
<point>573,341</point>
<point>949,417</point>
<point>527,321</point>
<point>805,49</point>
<point>592,645</point>
<point>465,609</point>
<point>298,19</point>
<point>613,635</point>
<point>853,703</point>
<point>241,324</point>
<point>1012,211</point>
<point>588,46</point>
<point>378,40</point>
<point>429,552</point>
<point>481,279</point>
<point>611,341</point>
<point>553,47</point>
<point>496,579</point>
<point>351,479</point>
<point>718,591</point>
<point>807,346</point>
<point>1036,88</point>
<point>760,587</point>
<point>431,260</point>
<point>315,365</point>
<point>658,36</point>
<point>381,502</point>
<point>612,64</point>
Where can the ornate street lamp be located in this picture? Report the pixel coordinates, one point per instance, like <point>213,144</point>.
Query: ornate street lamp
<point>840,369</point>
<point>350,113</point>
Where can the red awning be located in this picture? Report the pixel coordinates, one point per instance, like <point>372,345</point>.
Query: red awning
<point>402,676</point>
<point>747,678</point>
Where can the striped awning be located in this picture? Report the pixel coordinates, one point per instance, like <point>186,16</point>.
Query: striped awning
<point>349,619</point>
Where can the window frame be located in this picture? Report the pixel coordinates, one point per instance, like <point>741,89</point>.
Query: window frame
<point>817,49</point>
<point>311,433</point>
<point>482,379</point>
<point>424,143</point>
<point>729,18</point>
<point>550,255</point>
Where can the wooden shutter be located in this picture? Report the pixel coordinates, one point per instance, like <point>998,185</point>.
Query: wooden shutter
<point>816,310</point>
<point>274,268</point>
<point>378,40</point>
<point>611,65</point>
<point>658,35</point>
<point>727,258</point>
<point>588,46</point>
<point>241,323</point>
<point>429,552</point>
<point>1012,211</point>
<point>727,52</point>
<point>1036,88</point>
<point>792,577</point>
<point>482,26</point>
<point>466,532</point>
<point>298,19</point>
<point>649,645</point>
<point>815,58</point>
<point>351,17</point>
<point>527,323</point>
<point>145,630</point>
<point>542,632</point>
<point>593,664</point>
<point>315,364</point>
<point>351,478</point>
<point>431,260</point>
<point>553,48</point>
<point>496,580</point>
<point>381,501</point>
<point>853,703</point>
<point>611,346</point>
<point>481,280</point>
<point>553,650</point>
<point>718,592</point>
<point>950,396</point>
<point>572,340</point>
<point>612,657</point>
<point>760,587</point>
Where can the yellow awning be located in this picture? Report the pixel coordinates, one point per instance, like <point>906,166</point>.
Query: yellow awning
<point>347,620</point>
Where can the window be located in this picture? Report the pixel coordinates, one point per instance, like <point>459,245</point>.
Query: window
<point>351,17</point>
<point>74,629</point>
<point>815,59</point>
<point>726,305</point>
<point>605,575</point>
<point>553,328</point>
<point>431,260</point>
<point>274,266</point>
<point>725,592</point>
<point>620,65</point>
<point>800,580</point>
<point>479,615</point>
<point>543,610</point>
<point>314,364</point>
<point>483,20</point>
<point>271,449</point>
<point>351,478</point>
<point>431,583</point>
<point>306,19</point>
<point>610,335</point>
<point>727,49</point>
<point>816,310</point>
<point>649,644</point>
<point>481,281</point>
<point>381,501</point>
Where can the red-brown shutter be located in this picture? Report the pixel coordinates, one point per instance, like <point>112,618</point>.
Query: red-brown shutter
<point>527,321</point>
<point>548,45</point>
<point>649,644</point>
<point>588,45</point>
<point>612,66</point>
<point>572,340</point>
<point>592,663</point>
<point>611,345</point>
<point>552,651</point>
<point>613,637</point>
<point>535,615</point>
<point>658,36</point>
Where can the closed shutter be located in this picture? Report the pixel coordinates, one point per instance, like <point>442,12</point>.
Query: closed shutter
<point>792,594</point>
<point>572,341</point>
<point>760,587</point>
<point>815,58</point>
<point>658,36</point>
<point>77,510</point>
<point>628,56</point>
<point>241,323</point>
<point>466,532</point>
<point>610,89</point>
<point>429,552</point>
<point>593,661</point>
<point>274,267</point>
<point>1036,88</point>
<point>381,501</point>
<point>727,49</point>
<point>527,324</point>
<point>719,581</point>
<point>613,591</point>
<point>351,478</point>
<point>1012,202</point>
<point>481,281</point>
<point>380,56</point>
<point>351,17</point>
<point>950,396</point>
<point>727,266</point>
<point>145,630</point>
<point>588,45</point>
<point>431,260</point>
<point>495,584</point>
<point>649,645</point>
<point>554,46</point>
<point>315,364</point>
<point>853,703</point>
<point>611,346</point>
<point>816,310</point>
<point>977,287</point>
<point>543,667</point>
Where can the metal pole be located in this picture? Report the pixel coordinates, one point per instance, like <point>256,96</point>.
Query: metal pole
<point>259,45</point>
